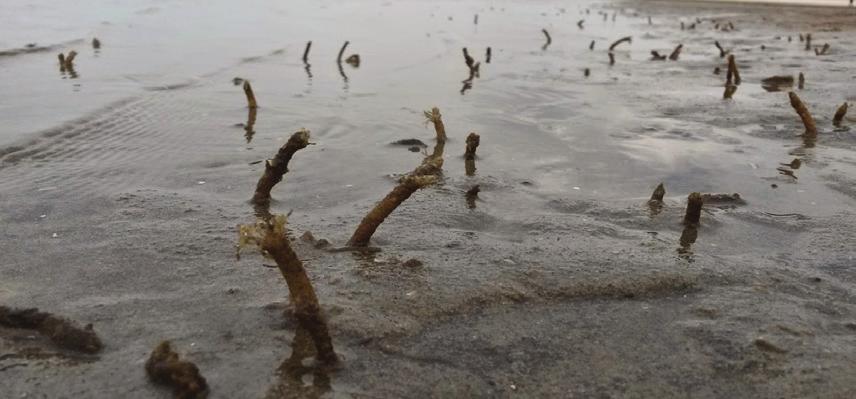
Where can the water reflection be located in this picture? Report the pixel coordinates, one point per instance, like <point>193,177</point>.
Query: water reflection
<point>248,127</point>
<point>292,373</point>
<point>688,237</point>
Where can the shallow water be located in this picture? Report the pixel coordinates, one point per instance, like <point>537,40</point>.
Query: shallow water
<point>120,190</point>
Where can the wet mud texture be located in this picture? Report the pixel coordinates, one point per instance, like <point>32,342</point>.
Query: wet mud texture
<point>561,281</point>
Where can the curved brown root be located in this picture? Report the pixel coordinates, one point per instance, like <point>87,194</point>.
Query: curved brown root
<point>839,114</point>
<point>627,39</point>
<point>405,188</point>
<point>277,167</point>
<point>251,98</point>
<point>805,115</point>
<point>733,75</point>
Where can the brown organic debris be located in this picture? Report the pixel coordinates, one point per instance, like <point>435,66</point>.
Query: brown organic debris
<point>655,56</point>
<point>165,367</point>
<point>732,75</point>
<point>96,44</point>
<point>801,81</point>
<point>693,214</point>
<point>676,53</point>
<point>823,50</point>
<point>472,144</point>
<point>275,168</point>
<point>251,98</point>
<point>353,60</point>
<point>805,115</point>
<point>777,83</point>
<point>628,39</point>
<point>64,333</point>
<point>839,114</point>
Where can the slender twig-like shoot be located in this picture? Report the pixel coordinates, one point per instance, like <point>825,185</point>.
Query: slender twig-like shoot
<point>611,58</point>
<point>586,72</point>
<point>342,52</point>
<point>61,58</point>
<point>656,56</point>
<point>839,114</point>
<point>808,42</point>
<point>270,237</point>
<point>487,55</point>
<point>722,51</point>
<point>591,45</point>
<point>165,367</point>
<point>801,81</point>
<point>251,98</point>
<point>275,168</point>
<point>96,44</point>
<point>549,39</point>
<point>676,53</point>
<point>468,59</point>
<point>580,23</point>
<point>732,73</point>
<point>729,91</point>
<point>251,122</point>
<point>693,214</point>
<point>628,39</point>
<point>306,52</point>
<point>423,176</point>
<point>805,115</point>
<point>823,50</point>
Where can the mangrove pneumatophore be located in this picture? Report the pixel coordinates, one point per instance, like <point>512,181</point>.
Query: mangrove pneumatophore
<point>165,367</point>
<point>306,52</point>
<point>276,167</point>
<point>732,76</point>
<point>729,91</point>
<point>693,214</point>
<point>676,53</point>
<point>805,115</point>
<point>801,81</point>
<point>269,235</point>
<point>627,39</point>
<point>423,176</point>
<point>839,114</point>
<point>473,140</point>
<point>251,98</point>
<point>549,39</point>
<point>722,51</point>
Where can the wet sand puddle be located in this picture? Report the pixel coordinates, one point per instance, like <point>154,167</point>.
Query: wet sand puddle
<point>538,267</point>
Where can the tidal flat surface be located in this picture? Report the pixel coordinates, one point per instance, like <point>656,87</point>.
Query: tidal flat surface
<point>122,183</point>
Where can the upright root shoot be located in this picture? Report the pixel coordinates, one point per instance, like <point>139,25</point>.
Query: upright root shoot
<point>722,51</point>
<point>275,168</point>
<point>733,75</point>
<point>676,53</point>
<point>549,39</point>
<point>659,193</point>
<point>251,98</point>
<point>729,91</point>
<point>472,144</point>
<point>165,367</point>
<point>694,204</point>
<point>805,115</point>
<point>801,81</point>
<point>306,52</point>
<point>839,114</point>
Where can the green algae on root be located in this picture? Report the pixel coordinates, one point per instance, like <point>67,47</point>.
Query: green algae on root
<point>269,235</point>
<point>277,167</point>
<point>62,332</point>
<point>165,367</point>
<point>251,98</point>
<point>804,114</point>
<point>693,214</point>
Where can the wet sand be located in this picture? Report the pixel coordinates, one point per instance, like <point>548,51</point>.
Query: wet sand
<point>121,190</point>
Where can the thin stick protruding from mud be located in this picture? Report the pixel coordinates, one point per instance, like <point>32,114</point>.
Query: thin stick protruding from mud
<point>251,98</point>
<point>278,166</point>
<point>468,59</point>
<point>472,143</point>
<point>306,52</point>
<point>808,42</point>
<point>801,81</point>
<point>591,45</point>
<point>676,53</point>
<point>805,115</point>
<point>628,39</point>
<point>165,367</point>
<point>839,114</point>
<point>729,91</point>
<point>722,51</point>
<point>823,50</point>
<point>423,176</point>
<point>549,39</point>
<point>611,58</point>
<point>61,331</point>
<point>733,75</point>
<point>96,44</point>
<point>693,214</point>
<point>342,52</point>
<point>487,55</point>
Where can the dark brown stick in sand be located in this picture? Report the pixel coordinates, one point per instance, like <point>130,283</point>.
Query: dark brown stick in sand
<point>165,367</point>
<point>729,91</point>
<point>839,114</point>
<point>61,58</point>
<point>732,73</point>
<point>676,53</point>
<point>580,23</point>
<point>62,332</point>
<point>586,72</point>
<point>549,39</point>
<point>591,45</point>
<point>823,50</point>
<point>306,52</point>
<point>472,195</point>
<point>627,39</point>
<point>611,59</point>
<point>251,98</point>
<point>808,42</point>
<point>423,176</point>
<point>467,59</point>
<point>342,52</point>
<point>805,115</point>
<point>487,55</point>
<point>659,193</point>
<point>801,81</point>
<point>656,56</point>
<point>472,143</point>
<point>278,166</point>
<point>96,44</point>
<point>722,51</point>
<point>694,204</point>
